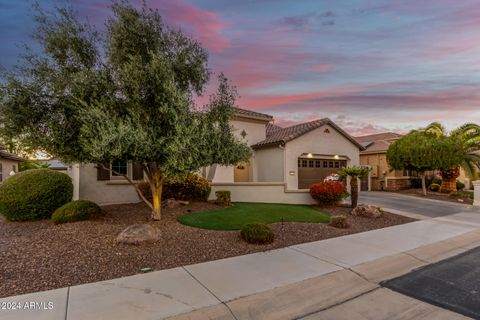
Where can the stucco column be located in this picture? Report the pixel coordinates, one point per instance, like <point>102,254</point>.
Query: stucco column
<point>476,192</point>
<point>76,181</point>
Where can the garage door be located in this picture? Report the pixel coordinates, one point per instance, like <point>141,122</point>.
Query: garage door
<point>311,171</point>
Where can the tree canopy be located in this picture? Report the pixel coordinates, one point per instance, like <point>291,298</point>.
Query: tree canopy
<point>127,93</point>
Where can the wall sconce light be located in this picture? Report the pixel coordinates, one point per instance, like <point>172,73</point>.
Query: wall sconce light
<point>291,173</point>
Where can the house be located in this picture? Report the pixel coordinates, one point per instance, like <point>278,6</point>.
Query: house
<point>375,156</point>
<point>8,164</point>
<point>284,163</point>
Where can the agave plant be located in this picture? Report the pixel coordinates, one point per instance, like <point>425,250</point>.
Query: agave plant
<point>469,136</point>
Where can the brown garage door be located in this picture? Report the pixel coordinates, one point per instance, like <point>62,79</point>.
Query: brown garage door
<point>311,171</point>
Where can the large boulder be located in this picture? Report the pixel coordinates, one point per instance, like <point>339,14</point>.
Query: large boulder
<point>138,233</point>
<point>368,211</point>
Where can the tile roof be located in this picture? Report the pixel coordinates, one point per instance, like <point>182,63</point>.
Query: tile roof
<point>378,136</point>
<point>377,143</point>
<point>10,156</point>
<point>284,135</point>
<point>251,114</point>
<point>270,128</point>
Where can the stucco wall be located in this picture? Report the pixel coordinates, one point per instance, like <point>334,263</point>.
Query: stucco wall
<point>7,167</point>
<point>104,192</point>
<point>319,142</point>
<point>262,192</point>
<point>255,130</point>
<point>270,164</point>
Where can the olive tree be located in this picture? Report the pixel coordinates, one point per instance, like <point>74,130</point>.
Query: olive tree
<point>126,93</point>
<point>422,151</point>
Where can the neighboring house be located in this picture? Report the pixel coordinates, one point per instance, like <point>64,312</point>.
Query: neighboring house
<point>57,165</point>
<point>284,163</point>
<point>8,164</point>
<point>375,156</point>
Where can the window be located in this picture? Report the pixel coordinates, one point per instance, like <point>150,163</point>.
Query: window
<point>119,168</point>
<point>299,163</point>
<point>304,163</point>
<point>317,163</point>
<point>310,163</point>
<point>330,164</point>
<point>325,164</point>
<point>337,164</point>
<point>343,164</point>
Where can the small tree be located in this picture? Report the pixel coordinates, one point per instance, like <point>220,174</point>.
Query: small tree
<point>421,152</point>
<point>468,136</point>
<point>355,173</point>
<point>125,95</point>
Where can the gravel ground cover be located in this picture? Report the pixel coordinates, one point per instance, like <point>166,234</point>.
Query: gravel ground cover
<point>436,196</point>
<point>37,256</point>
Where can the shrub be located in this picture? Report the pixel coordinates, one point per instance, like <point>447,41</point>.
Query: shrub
<point>416,183</point>
<point>328,192</point>
<point>34,194</point>
<point>461,194</point>
<point>434,187</point>
<point>75,211</point>
<point>339,222</point>
<point>223,197</point>
<point>257,233</point>
<point>189,187</point>
<point>460,185</point>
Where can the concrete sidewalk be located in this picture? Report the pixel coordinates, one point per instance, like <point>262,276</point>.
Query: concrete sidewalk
<point>312,280</point>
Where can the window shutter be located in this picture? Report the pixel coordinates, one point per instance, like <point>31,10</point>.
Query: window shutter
<point>137,171</point>
<point>103,174</point>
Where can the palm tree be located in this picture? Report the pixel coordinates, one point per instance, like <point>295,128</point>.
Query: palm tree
<point>469,136</point>
<point>355,173</point>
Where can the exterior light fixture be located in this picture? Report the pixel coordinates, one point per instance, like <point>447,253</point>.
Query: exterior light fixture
<point>292,173</point>
<point>336,156</point>
<point>309,155</point>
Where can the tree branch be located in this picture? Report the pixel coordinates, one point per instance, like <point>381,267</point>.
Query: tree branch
<point>139,192</point>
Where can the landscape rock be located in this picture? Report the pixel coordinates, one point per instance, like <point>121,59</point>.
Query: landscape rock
<point>368,211</point>
<point>138,233</point>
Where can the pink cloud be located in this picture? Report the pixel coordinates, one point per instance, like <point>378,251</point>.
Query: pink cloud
<point>322,67</point>
<point>203,24</point>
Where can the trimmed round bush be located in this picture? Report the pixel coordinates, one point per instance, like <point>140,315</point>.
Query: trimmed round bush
<point>34,194</point>
<point>339,222</point>
<point>434,187</point>
<point>75,211</point>
<point>257,233</point>
<point>328,192</point>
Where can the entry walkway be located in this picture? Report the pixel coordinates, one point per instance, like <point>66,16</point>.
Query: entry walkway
<point>310,280</point>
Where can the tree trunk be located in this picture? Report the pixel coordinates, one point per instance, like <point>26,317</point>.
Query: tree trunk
<point>354,191</point>
<point>449,180</point>
<point>424,184</point>
<point>156,185</point>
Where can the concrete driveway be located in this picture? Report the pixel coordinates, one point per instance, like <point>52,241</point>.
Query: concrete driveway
<point>416,205</point>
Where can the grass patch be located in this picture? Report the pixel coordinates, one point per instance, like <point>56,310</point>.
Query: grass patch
<point>241,213</point>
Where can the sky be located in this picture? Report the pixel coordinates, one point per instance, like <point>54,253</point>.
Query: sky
<point>370,66</point>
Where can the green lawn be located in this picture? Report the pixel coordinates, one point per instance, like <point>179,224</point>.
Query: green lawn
<point>241,213</point>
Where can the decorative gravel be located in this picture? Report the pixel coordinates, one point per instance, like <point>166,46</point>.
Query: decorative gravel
<point>436,196</point>
<point>37,256</point>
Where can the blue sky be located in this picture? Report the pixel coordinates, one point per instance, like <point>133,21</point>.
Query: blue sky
<point>370,66</point>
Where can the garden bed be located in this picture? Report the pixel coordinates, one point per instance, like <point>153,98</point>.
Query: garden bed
<point>436,196</point>
<point>37,256</point>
